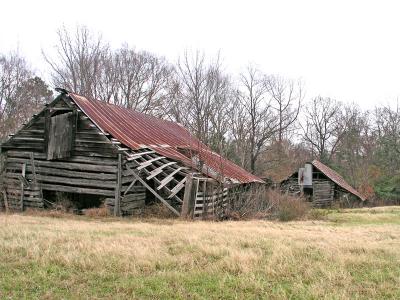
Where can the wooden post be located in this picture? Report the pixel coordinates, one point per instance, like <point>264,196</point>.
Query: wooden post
<point>22,187</point>
<point>117,210</point>
<point>188,199</point>
<point>5,200</point>
<point>3,162</point>
<point>33,167</point>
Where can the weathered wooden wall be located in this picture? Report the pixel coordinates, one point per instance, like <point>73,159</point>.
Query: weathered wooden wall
<point>92,167</point>
<point>211,199</point>
<point>323,193</point>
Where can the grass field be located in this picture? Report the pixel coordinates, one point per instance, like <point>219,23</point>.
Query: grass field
<point>350,254</point>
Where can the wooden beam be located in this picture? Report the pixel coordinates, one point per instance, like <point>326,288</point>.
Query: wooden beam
<point>5,200</point>
<point>168,178</point>
<point>159,170</point>
<point>32,159</point>
<point>117,208</point>
<point>62,173</point>
<point>154,192</point>
<point>69,165</point>
<point>177,188</point>
<point>148,163</point>
<point>78,190</point>
<point>137,155</point>
<point>187,198</point>
<point>130,186</point>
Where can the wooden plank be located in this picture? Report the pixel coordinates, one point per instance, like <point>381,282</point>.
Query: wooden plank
<point>25,138</point>
<point>154,192</point>
<point>5,199</point>
<point>177,188</point>
<point>69,165</point>
<point>78,190</point>
<point>117,210</point>
<point>130,186</point>
<point>137,155</point>
<point>167,179</point>
<point>23,182</point>
<point>148,163</point>
<point>76,181</point>
<point>159,170</point>
<point>64,173</point>
<point>32,159</point>
<point>187,197</point>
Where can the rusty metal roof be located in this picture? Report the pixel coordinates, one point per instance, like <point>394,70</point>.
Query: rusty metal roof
<point>138,130</point>
<point>336,178</point>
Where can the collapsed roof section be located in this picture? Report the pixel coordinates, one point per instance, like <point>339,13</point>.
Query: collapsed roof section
<point>138,130</point>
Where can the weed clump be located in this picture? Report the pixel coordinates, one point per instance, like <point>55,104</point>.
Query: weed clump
<point>262,203</point>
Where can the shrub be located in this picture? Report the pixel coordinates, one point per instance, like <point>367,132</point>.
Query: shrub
<point>288,208</point>
<point>262,203</point>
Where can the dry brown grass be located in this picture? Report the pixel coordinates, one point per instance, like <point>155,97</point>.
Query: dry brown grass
<point>97,212</point>
<point>77,258</point>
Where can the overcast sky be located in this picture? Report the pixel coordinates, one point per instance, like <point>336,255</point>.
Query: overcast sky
<point>348,50</point>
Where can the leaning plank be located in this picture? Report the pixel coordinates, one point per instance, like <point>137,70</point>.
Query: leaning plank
<point>130,186</point>
<point>154,192</point>
<point>137,155</point>
<point>168,178</point>
<point>177,188</point>
<point>149,162</point>
<point>159,170</point>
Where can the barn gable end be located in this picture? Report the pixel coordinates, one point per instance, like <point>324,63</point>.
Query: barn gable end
<point>326,186</point>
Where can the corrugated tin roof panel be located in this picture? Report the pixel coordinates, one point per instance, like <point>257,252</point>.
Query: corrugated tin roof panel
<point>335,177</point>
<point>137,130</point>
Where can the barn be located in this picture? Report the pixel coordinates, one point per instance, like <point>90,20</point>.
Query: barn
<point>321,185</point>
<point>91,149</point>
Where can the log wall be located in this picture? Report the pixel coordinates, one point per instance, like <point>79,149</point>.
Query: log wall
<point>91,168</point>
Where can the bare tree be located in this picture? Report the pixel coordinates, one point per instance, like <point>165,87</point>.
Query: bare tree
<point>85,64</point>
<point>286,96</point>
<point>323,129</point>
<point>142,80</point>
<point>256,102</point>
<point>240,128</point>
<point>21,93</point>
<point>202,98</point>
<point>79,62</point>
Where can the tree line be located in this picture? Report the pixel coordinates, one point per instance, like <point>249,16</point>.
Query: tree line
<point>261,121</point>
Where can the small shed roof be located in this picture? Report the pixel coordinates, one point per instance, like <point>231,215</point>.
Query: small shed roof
<point>138,130</point>
<point>336,178</point>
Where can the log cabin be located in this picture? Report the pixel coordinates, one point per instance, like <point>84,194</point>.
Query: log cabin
<point>93,149</point>
<point>322,186</point>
